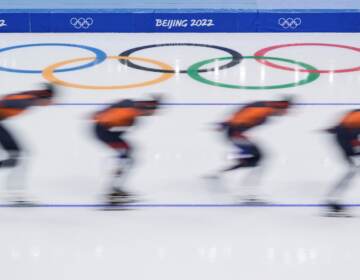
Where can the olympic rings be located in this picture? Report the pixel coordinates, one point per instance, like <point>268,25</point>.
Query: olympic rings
<point>236,57</point>
<point>193,73</point>
<point>100,57</point>
<point>292,23</point>
<point>81,23</point>
<point>194,70</point>
<point>48,74</point>
<point>264,51</point>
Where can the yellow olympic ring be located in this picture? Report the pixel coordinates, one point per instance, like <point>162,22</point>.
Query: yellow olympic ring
<point>48,74</point>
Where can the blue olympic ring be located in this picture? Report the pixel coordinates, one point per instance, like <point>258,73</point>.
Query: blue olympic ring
<point>100,57</point>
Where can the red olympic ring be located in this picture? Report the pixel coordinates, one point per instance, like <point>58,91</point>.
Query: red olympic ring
<point>263,52</point>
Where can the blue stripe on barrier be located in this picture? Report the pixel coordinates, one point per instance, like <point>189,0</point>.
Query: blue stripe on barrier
<point>180,20</point>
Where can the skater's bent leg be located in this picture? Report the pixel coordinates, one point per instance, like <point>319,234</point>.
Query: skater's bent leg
<point>11,147</point>
<point>343,184</point>
<point>124,160</point>
<point>251,181</point>
<point>344,139</point>
<point>249,155</point>
<point>16,180</point>
<point>15,160</point>
<point>124,165</point>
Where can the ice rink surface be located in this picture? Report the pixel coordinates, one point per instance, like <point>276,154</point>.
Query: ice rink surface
<point>187,227</point>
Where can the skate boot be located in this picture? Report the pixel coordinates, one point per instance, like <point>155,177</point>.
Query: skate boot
<point>253,201</point>
<point>20,200</point>
<point>336,210</point>
<point>119,197</point>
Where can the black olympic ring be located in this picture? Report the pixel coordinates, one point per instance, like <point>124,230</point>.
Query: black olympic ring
<point>236,57</point>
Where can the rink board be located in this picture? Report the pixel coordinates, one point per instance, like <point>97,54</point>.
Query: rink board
<point>180,16</point>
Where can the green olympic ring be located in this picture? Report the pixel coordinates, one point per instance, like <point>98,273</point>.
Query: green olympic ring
<point>193,72</point>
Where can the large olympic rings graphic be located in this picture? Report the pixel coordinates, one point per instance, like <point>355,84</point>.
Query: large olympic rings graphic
<point>194,73</point>
<point>263,52</point>
<point>167,71</point>
<point>236,57</point>
<point>48,74</point>
<point>100,57</point>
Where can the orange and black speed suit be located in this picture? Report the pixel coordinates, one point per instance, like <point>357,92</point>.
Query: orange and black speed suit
<point>111,123</point>
<point>347,134</point>
<point>10,106</point>
<point>249,116</point>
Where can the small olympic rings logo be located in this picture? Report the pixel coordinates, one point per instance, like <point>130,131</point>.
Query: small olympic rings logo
<point>287,23</point>
<point>81,23</point>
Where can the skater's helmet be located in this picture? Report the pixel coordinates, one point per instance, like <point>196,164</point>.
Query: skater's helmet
<point>47,92</point>
<point>150,104</point>
<point>283,103</point>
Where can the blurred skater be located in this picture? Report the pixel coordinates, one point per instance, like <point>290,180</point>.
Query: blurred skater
<point>10,106</point>
<point>247,153</point>
<point>111,125</point>
<point>346,133</point>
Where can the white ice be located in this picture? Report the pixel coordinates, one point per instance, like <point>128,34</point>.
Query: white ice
<point>174,149</point>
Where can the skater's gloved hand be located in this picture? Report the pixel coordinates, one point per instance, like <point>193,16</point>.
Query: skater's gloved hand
<point>221,126</point>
